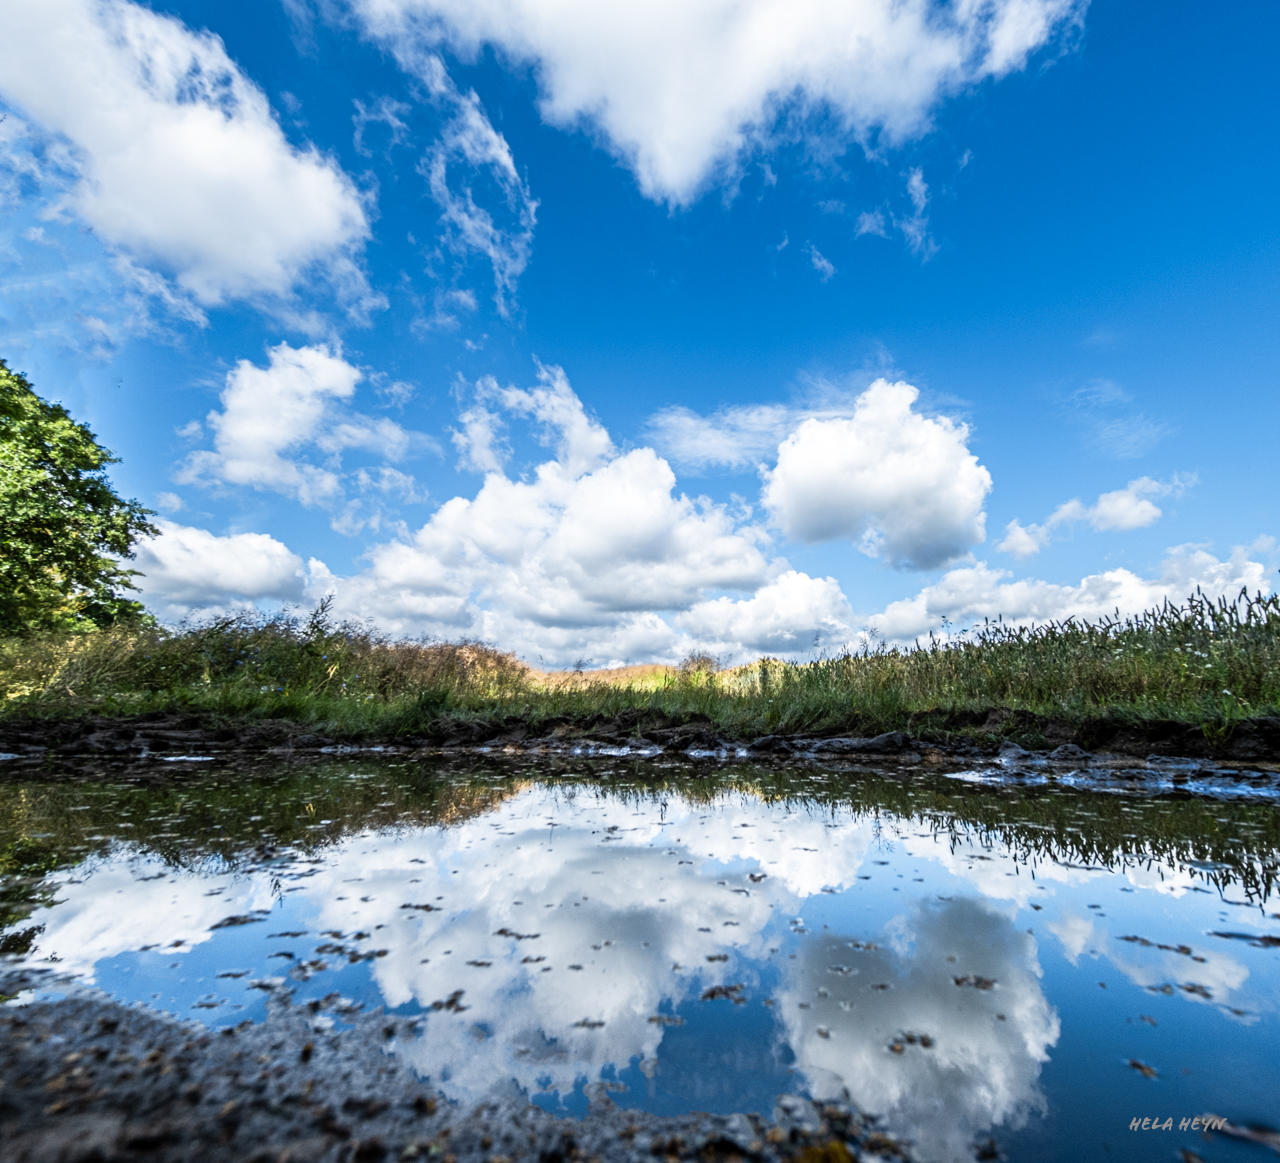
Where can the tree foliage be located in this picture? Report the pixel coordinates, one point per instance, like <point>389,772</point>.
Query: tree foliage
<point>64,531</point>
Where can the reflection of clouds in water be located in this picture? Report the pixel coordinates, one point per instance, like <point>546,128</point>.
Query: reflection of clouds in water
<point>611,926</point>
<point>1214,977</point>
<point>1218,974</point>
<point>124,901</point>
<point>625,905</point>
<point>624,888</point>
<point>980,1071</point>
<point>621,889</point>
<point>1166,879</point>
<point>1075,931</point>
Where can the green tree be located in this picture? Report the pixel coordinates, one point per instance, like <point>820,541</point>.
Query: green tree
<point>63,529</point>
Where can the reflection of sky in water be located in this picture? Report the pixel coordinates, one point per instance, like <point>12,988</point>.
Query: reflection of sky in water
<point>945,986</point>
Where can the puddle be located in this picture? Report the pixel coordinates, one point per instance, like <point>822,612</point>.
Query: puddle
<point>1034,964</point>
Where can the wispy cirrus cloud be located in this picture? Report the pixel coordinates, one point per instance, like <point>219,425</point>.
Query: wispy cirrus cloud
<point>823,265</point>
<point>737,437</point>
<point>870,222</point>
<point>1102,405</point>
<point>915,226</point>
<point>384,111</point>
<point>486,207</point>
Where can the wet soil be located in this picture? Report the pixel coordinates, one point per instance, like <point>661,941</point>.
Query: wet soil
<point>88,1079</point>
<point>159,746</point>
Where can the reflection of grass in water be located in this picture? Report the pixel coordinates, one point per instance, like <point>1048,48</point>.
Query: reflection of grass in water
<point>1066,825</point>
<point>1206,663</point>
<point>232,822</point>
<point>220,819</point>
<point>217,824</point>
<point>212,824</point>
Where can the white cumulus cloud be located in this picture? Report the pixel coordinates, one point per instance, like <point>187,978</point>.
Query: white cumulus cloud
<point>1119,510</point>
<point>178,162</point>
<point>270,415</point>
<point>971,593</point>
<point>592,554</point>
<point>560,562</point>
<point>682,92</point>
<point>185,569</point>
<point>791,614</point>
<point>903,485</point>
<point>1130,507</point>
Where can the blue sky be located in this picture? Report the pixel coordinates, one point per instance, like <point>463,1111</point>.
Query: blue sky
<point>611,332</point>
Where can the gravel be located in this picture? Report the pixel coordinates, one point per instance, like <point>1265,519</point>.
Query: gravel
<point>87,1078</point>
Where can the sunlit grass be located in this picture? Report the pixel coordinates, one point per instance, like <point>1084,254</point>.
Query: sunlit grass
<point>1207,662</point>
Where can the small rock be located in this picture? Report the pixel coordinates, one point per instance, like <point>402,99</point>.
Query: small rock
<point>890,742</point>
<point>1175,762</point>
<point>370,1149</point>
<point>739,1131</point>
<point>793,1111</point>
<point>1069,753</point>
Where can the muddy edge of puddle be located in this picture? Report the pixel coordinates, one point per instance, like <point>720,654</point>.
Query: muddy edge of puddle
<point>170,747</point>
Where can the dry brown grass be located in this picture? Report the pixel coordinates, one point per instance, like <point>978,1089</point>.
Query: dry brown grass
<point>645,677</point>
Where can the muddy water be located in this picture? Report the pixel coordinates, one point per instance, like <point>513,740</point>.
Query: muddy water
<point>1038,965</point>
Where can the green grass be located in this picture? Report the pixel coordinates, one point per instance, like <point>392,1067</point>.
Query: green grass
<point>1209,663</point>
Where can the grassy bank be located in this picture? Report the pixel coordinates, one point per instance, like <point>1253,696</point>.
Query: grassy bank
<point>1207,663</point>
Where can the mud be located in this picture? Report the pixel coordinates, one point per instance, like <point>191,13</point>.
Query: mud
<point>162,746</point>
<point>87,1079</point>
